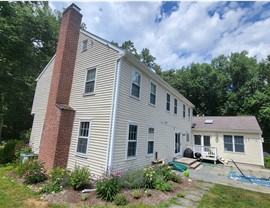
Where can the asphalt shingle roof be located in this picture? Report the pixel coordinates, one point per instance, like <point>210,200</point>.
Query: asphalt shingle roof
<point>227,123</point>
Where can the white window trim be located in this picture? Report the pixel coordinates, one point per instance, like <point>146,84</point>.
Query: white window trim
<point>233,143</point>
<point>88,139</point>
<point>85,76</point>
<point>181,137</point>
<point>187,136</point>
<point>151,82</point>
<point>151,154</point>
<point>130,94</point>
<point>127,140</point>
<point>82,43</point>
<point>168,111</point>
<point>175,106</point>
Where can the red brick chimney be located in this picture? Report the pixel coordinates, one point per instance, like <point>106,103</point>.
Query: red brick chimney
<point>58,124</point>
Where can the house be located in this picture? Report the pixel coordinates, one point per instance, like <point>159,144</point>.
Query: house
<point>229,137</point>
<point>97,105</point>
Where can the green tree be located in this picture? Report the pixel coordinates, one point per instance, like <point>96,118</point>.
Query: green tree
<point>28,37</point>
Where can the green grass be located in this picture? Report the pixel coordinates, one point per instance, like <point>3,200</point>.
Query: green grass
<point>230,197</point>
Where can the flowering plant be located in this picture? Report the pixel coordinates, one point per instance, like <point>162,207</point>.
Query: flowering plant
<point>35,173</point>
<point>149,177</point>
<point>22,149</point>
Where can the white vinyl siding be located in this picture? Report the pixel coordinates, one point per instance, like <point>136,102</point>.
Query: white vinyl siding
<point>234,143</point>
<point>132,140</point>
<point>90,81</point>
<point>40,106</point>
<point>152,97</point>
<point>150,141</point>
<point>83,137</point>
<point>168,102</point>
<point>135,84</point>
<point>96,108</point>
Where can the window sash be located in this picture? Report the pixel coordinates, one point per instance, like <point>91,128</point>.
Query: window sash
<point>187,137</point>
<point>83,137</point>
<point>184,110</point>
<point>153,94</point>
<point>90,81</point>
<point>150,147</point>
<point>168,102</point>
<point>150,142</point>
<point>175,106</point>
<point>84,45</point>
<point>206,141</point>
<point>234,143</point>
<point>132,141</point>
<point>135,84</point>
<point>197,140</point>
<point>188,112</point>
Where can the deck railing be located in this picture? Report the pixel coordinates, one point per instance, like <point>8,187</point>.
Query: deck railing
<point>206,151</point>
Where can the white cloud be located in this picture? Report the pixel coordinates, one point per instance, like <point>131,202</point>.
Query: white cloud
<point>188,35</point>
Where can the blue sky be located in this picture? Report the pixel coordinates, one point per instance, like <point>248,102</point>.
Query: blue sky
<point>180,33</point>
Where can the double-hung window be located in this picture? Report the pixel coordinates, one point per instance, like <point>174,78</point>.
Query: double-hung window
<point>187,137</point>
<point>188,113</point>
<point>90,81</point>
<point>132,140</point>
<point>168,102</point>
<point>234,143</point>
<point>197,140</point>
<point>150,142</point>
<point>84,133</point>
<point>153,89</point>
<point>184,110</point>
<point>135,84</point>
<point>84,45</point>
<point>175,106</point>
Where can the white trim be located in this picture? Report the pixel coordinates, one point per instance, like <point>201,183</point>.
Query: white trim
<point>110,149</point>
<point>133,96</point>
<point>85,76</point>
<point>261,147</point>
<point>88,139</point>
<point>45,68</point>
<point>127,140</point>
<point>147,140</point>
<point>103,41</point>
<point>152,82</point>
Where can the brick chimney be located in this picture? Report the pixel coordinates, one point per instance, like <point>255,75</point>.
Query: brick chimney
<point>58,124</point>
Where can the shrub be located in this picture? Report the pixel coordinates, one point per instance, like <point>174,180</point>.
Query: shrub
<point>52,186</point>
<point>180,195</point>
<point>25,135</point>
<point>35,172</point>
<point>22,149</point>
<point>108,187</point>
<point>120,200</point>
<point>162,185</point>
<point>60,174</point>
<point>149,177</point>
<point>148,192</point>
<point>8,153</point>
<point>136,194</point>
<point>176,178</point>
<point>84,197</point>
<point>267,162</point>
<point>165,171</point>
<point>79,177</point>
<point>133,180</point>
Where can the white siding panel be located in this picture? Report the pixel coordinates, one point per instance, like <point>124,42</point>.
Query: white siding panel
<point>146,115</point>
<point>40,105</point>
<point>97,107</point>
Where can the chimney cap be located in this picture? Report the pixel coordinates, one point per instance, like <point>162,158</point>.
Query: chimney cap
<point>74,6</point>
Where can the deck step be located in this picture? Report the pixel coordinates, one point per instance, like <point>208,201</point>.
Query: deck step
<point>185,161</point>
<point>195,165</point>
<point>199,167</point>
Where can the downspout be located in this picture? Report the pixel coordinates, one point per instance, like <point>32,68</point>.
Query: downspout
<point>114,113</point>
<point>261,147</point>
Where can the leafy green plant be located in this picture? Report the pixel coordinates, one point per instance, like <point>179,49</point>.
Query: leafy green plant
<point>149,177</point>
<point>267,162</point>
<point>35,172</point>
<point>24,149</point>
<point>165,171</point>
<point>176,178</point>
<point>136,193</point>
<point>108,187</point>
<point>8,152</point>
<point>162,185</point>
<point>133,180</point>
<point>52,187</point>
<point>148,192</point>
<point>186,173</point>
<point>120,200</point>
<point>84,197</point>
<point>180,195</point>
<point>79,177</point>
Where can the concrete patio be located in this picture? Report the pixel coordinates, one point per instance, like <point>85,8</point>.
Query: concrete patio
<point>219,174</point>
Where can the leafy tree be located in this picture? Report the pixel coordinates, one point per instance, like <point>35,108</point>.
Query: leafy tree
<point>28,36</point>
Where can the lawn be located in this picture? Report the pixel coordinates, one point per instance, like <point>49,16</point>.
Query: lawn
<point>230,197</point>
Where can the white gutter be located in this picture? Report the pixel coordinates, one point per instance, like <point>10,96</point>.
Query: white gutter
<point>114,113</point>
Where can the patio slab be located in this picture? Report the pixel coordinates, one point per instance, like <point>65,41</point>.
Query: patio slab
<point>219,174</point>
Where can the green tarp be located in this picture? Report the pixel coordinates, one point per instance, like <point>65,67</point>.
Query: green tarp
<point>177,166</point>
